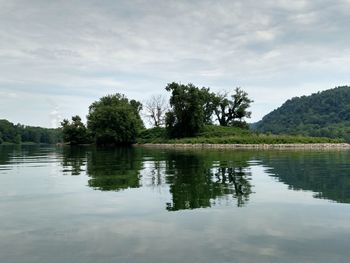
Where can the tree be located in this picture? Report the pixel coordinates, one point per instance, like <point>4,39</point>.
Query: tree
<point>210,103</point>
<point>8,131</point>
<point>18,139</point>
<point>229,112</point>
<point>74,132</point>
<point>114,120</point>
<point>186,117</point>
<point>137,106</point>
<point>155,109</point>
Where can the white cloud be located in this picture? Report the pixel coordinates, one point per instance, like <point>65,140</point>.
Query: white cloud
<point>87,49</point>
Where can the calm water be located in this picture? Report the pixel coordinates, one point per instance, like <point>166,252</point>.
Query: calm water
<point>141,205</point>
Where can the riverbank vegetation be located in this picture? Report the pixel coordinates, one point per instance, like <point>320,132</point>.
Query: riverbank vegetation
<point>213,134</point>
<point>20,134</point>
<point>193,115</point>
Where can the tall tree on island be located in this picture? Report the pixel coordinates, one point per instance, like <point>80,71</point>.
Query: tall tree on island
<point>114,120</point>
<point>231,112</point>
<point>188,113</point>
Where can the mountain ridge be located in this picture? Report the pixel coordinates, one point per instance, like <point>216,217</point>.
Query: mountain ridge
<point>322,114</point>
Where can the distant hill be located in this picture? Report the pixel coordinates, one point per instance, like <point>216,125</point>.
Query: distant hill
<point>325,114</point>
<point>17,133</point>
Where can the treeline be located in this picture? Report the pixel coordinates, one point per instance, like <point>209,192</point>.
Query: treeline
<point>324,114</point>
<point>114,119</point>
<point>17,133</point>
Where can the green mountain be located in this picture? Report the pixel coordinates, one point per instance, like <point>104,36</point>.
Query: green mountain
<point>325,114</point>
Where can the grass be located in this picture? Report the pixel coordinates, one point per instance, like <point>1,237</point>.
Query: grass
<point>229,135</point>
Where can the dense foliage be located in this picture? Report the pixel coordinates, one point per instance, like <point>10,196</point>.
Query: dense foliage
<point>75,132</point>
<point>325,114</point>
<point>11,133</point>
<point>187,115</point>
<point>114,120</point>
<point>193,107</point>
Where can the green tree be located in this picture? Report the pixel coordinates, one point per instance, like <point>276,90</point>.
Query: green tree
<point>210,104</point>
<point>187,115</point>
<point>21,133</point>
<point>231,112</point>
<point>8,131</point>
<point>74,132</point>
<point>18,139</point>
<point>114,120</point>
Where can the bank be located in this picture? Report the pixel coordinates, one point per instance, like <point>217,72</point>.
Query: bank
<point>315,146</point>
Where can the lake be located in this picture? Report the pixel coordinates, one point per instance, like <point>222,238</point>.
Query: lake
<point>152,205</point>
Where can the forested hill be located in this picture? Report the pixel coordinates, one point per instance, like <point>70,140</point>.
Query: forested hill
<point>325,114</point>
<point>11,133</point>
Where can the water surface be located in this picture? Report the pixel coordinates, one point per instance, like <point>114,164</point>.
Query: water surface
<point>143,205</point>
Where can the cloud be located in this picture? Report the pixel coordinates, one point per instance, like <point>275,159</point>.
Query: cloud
<point>89,48</point>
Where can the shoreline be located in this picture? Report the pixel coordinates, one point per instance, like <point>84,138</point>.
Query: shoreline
<point>316,146</point>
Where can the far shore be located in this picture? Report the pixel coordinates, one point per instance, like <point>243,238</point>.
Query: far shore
<point>316,146</point>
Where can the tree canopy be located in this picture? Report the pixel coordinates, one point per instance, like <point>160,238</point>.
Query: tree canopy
<point>187,115</point>
<point>114,120</point>
<point>230,110</point>
<point>74,132</point>
<point>193,107</point>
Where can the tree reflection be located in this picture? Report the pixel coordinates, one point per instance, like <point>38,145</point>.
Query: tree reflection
<point>74,159</point>
<point>16,154</point>
<point>5,154</point>
<point>326,172</point>
<point>195,183</point>
<point>195,179</point>
<point>114,169</point>
<point>239,179</point>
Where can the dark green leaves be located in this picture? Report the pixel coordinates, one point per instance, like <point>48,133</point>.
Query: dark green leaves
<point>114,120</point>
<point>75,132</point>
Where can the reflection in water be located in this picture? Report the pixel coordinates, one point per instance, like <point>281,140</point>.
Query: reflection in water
<point>11,155</point>
<point>114,169</point>
<point>239,179</point>
<point>47,217</point>
<point>74,159</point>
<point>195,183</point>
<point>325,173</point>
<point>199,179</point>
<point>195,180</point>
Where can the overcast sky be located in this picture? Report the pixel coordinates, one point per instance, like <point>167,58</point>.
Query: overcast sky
<point>57,57</point>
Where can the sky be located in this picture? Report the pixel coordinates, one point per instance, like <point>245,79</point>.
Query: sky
<point>57,57</point>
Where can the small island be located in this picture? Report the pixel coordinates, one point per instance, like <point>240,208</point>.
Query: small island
<point>194,118</point>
